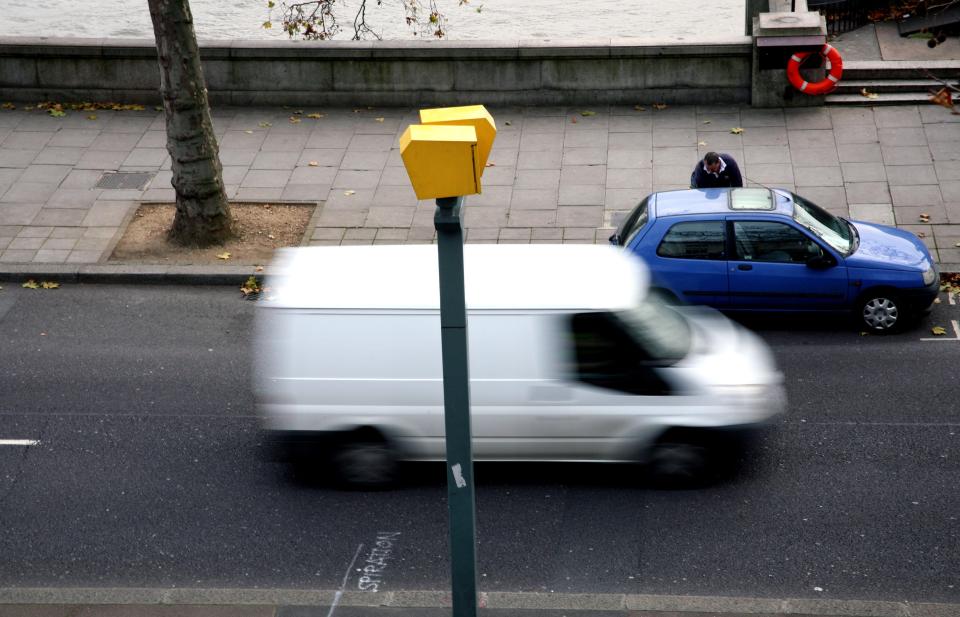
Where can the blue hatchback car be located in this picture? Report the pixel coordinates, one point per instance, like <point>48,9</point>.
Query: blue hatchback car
<point>759,249</point>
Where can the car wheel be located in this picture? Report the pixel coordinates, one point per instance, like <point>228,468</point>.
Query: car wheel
<point>881,312</point>
<point>365,464</point>
<point>677,463</point>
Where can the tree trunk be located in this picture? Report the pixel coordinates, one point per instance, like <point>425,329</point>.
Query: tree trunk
<point>203,214</point>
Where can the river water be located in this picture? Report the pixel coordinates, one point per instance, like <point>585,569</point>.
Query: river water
<point>651,20</point>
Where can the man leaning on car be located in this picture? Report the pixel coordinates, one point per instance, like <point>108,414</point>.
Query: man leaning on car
<point>716,171</point>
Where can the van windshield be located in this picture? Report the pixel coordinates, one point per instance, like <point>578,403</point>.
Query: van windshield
<point>662,332</point>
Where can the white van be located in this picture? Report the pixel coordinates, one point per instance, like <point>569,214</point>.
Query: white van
<point>568,360</point>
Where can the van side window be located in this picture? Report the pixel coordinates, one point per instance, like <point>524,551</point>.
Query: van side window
<point>606,356</point>
<point>693,240</point>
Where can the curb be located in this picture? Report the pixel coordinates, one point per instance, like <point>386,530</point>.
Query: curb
<point>131,274</point>
<point>716,605</point>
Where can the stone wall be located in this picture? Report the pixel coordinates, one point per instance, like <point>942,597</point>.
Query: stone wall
<point>416,73</point>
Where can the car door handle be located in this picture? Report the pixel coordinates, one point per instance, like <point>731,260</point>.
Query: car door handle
<point>744,267</point>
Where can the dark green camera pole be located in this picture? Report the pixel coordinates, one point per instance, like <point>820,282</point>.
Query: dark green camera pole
<point>456,406</point>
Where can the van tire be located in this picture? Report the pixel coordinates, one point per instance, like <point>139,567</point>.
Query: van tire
<point>365,464</point>
<point>677,461</point>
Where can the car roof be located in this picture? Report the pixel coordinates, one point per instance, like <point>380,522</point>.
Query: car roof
<point>540,276</point>
<point>719,200</point>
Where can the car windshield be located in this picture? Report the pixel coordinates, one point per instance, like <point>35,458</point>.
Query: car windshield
<point>832,230</point>
<point>661,331</point>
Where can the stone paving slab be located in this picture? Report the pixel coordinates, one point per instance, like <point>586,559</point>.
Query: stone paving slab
<point>554,174</point>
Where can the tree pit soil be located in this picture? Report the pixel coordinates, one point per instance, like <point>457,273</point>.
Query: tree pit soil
<point>261,229</point>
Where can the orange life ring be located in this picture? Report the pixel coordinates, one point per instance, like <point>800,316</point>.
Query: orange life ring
<point>832,62</point>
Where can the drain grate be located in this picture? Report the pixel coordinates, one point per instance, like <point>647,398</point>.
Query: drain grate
<point>124,180</point>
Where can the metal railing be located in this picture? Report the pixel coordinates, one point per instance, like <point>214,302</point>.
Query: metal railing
<point>845,15</point>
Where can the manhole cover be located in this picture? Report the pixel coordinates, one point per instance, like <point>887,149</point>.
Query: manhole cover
<point>124,180</point>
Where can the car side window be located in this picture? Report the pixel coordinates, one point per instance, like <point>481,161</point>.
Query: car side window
<point>693,240</point>
<point>606,356</point>
<point>772,242</point>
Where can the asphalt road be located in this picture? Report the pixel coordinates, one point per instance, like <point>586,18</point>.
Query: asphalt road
<point>150,471</point>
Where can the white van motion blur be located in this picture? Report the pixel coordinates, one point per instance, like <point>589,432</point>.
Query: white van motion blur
<point>568,360</point>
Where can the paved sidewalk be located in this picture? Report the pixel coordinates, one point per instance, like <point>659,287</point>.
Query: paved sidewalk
<point>555,174</point>
<point>177,602</point>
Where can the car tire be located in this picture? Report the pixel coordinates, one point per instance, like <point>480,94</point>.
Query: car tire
<point>365,464</point>
<point>881,312</point>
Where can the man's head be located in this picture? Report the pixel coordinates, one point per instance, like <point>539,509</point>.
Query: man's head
<point>712,162</point>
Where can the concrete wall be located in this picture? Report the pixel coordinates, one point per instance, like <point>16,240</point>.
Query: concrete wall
<point>388,73</point>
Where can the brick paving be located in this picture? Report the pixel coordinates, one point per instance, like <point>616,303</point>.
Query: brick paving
<point>555,174</point>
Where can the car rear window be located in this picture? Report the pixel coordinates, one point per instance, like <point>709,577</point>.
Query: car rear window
<point>634,222</point>
<point>693,240</point>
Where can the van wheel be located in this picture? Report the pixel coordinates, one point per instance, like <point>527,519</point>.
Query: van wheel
<point>365,464</point>
<point>881,312</point>
<point>674,462</point>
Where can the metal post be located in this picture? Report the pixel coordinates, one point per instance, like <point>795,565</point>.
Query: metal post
<point>752,8</point>
<point>456,407</point>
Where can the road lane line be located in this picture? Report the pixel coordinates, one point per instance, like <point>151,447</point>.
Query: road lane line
<point>956,328</point>
<point>950,299</point>
<point>19,442</point>
<point>346,577</point>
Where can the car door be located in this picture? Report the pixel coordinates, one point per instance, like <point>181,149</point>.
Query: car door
<point>688,258</point>
<point>776,265</point>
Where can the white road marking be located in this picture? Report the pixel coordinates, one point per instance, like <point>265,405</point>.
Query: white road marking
<point>19,442</point>
<point>346,577</point>
<point>956,332</point>
<point>950,299</point>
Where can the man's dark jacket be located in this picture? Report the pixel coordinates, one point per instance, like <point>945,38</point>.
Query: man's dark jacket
<point>730,176</point>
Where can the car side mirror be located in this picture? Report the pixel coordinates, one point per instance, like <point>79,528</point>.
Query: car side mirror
<point>821,262</point>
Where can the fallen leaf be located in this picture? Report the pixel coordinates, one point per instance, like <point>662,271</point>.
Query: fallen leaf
<point>314,164</point>
<point>8,106</point>
<point>588,113</point>
<point>379,119</point>
<point>224,255</point>
<point>251,286</point>
<point>639,108</point>
<point>298,112</point>
<point>706,122</point>
<point>921,234</point>
<point>43,334</point>
<point>936,300</point>
<point>92,117</point>
<point>938,330</point>
<point>573,120</point>
<point>957,244</point>
<point>349,193</point>
<point>491,164</point>
<point>31,284</point>
<point>315,116</point>
<point>249,132</point>
<point>271,236</point>
<point>701,143</point>
<point>49,285</point>
<point>258,269</point>
<point>294,120</point>
<point>736,130</point>
<point>507,122</point>
<point>659,105</point>
<point>942,97</point>
<point>265,124</point>
<point>57,113</point>
<point>868,94</point>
